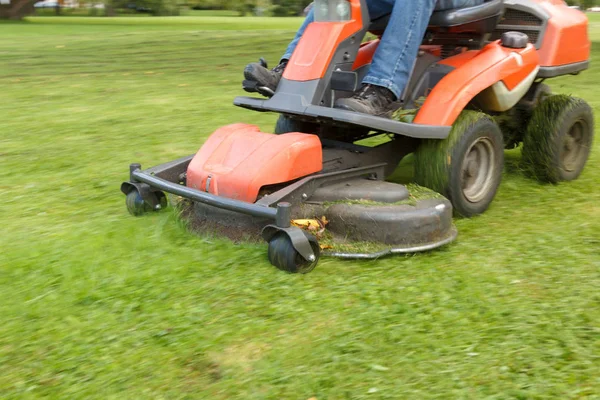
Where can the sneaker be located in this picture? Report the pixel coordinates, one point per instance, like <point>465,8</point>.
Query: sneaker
<point>262,80</point>
<point>370,99</point>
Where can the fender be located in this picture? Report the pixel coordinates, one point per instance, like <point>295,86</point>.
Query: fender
<point>365,54</point>
<point>476,70</point>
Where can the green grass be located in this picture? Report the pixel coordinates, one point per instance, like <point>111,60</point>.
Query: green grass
<point>97,304</point>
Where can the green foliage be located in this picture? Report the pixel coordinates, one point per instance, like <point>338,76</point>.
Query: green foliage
<point>243,7</point>
<point>285,8</point>
<point>584,4</point>
<point>96,304</point>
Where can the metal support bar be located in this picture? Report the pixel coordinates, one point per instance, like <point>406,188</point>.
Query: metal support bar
<point>301,190</point>
<point>284,215</point>
<point>210,199</point>
<point>132,168</point>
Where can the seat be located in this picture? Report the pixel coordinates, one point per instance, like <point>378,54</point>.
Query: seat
<point>479,19</point>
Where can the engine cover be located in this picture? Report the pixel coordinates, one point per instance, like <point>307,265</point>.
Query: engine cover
<point>237,160</point>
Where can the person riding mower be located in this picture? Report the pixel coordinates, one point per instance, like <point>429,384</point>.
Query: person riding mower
<point>472,87</point>
<point>392,62</point>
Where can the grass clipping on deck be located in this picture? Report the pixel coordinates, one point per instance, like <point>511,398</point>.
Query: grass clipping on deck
<point>330,243</point>
<point>415,193</point>
<point>434,157</point>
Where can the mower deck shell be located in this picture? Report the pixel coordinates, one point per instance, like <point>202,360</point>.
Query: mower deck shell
<point>396,227</point>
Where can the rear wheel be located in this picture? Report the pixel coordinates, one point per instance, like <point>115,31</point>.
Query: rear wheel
<point>467,166</point>
<point>558,139</point>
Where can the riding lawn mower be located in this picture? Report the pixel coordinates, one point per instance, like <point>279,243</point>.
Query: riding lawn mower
<point>317,186</point>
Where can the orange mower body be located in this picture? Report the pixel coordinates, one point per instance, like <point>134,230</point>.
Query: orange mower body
<point>477,87</point>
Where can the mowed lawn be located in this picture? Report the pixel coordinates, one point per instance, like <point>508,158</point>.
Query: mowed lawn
<point>97,304</point>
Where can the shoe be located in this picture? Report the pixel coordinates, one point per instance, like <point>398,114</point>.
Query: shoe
<point>370,99</point>
<point>262,80</point>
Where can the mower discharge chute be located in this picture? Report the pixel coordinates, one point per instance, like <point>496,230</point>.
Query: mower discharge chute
<point>476,89</point>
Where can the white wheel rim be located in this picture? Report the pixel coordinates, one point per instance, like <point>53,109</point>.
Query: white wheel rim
<point>478,169</point>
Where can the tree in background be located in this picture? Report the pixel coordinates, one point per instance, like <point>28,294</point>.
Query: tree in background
<point>286,8</point>
<point>283,8</point>
<point>584,4</point>
<point>17,9</point>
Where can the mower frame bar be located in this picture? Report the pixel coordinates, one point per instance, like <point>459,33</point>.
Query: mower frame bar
<point>281,214</point>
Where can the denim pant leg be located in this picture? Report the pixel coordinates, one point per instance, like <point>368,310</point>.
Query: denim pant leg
<point>377,8</point>
<point>393,61</point>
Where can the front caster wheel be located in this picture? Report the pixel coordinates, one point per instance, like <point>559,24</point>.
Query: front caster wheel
<point>138,207</point>
<point>466,167</point>
<point>284,256</point>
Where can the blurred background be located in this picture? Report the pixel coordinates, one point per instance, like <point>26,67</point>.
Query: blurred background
<point>97,304</point>
<point>17,9</point>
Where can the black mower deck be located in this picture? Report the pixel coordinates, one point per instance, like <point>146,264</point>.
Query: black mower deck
<point>365,216</point>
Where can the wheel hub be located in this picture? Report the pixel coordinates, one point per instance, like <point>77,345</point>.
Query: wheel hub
<point>572,147</point>
<point>478,170</point>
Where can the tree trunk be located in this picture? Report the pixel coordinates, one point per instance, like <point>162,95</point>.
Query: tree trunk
<point>17,9</point>
<point>109,9</point>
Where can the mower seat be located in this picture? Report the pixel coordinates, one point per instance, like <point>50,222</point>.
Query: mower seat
<point>478,19</point>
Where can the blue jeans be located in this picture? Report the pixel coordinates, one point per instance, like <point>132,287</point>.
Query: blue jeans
<point>393,61</point>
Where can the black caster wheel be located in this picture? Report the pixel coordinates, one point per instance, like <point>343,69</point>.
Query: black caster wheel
<point>284,256</point>
<point>138,207</point>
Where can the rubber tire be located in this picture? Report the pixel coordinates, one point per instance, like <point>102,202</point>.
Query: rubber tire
<point>136,204</point>
<point>286,124</point>
<point>438,163</point>
<point>284,256</point>
<point>550,123</point>
<point>138,207</point>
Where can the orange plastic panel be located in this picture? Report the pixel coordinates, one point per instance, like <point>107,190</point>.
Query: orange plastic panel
<point>433,49</point>
<point>319,44</point>
<point>460,59</point>
<point>475,71</point>
<point>240,159</point>
<point>365,53</point>
<point>566,39</point>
